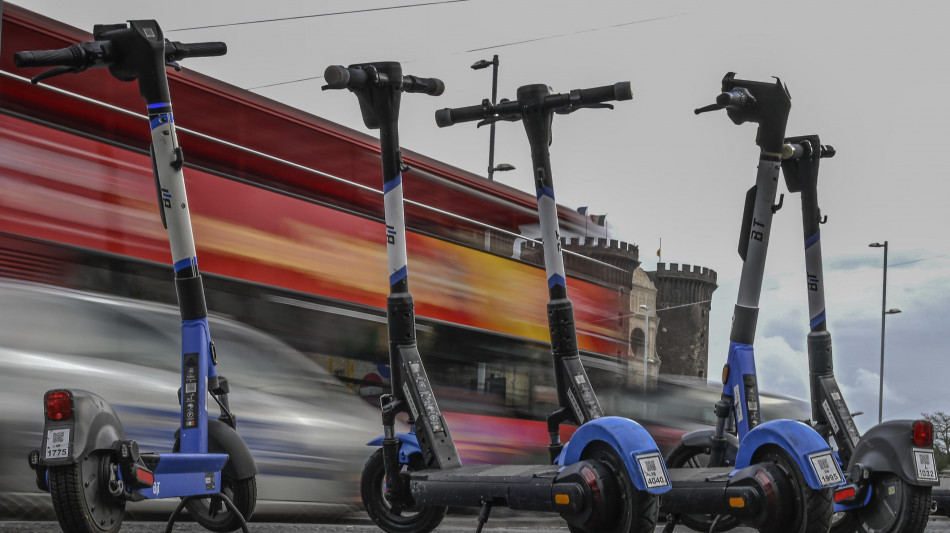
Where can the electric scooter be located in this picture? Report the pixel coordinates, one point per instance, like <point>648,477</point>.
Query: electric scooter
<point>768,105</point>
<point>608,476</point>
<point>890,470</point>
<point>86,462</point>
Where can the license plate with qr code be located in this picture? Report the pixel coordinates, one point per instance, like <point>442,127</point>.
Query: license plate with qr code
<point>57,443</point>
<point>925,464</point>
<point>654,473</point>
<point>826,468</point>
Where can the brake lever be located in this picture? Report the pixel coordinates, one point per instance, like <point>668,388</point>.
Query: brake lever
<point>174,65</point>
<point>497,118</point>
<point>566,110</point>
<point>45,75</point>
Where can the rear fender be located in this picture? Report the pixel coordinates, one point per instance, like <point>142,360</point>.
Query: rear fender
<point>799,440</point>
<point>94,425</point>
<point>889,447</point>
<point>632,443</point>
<point>408,445</point>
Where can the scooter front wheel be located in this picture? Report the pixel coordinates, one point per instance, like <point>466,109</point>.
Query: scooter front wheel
<point>214,515</point>
<point>389,518</point>
<point>895,507</point>
<point>81,496</point>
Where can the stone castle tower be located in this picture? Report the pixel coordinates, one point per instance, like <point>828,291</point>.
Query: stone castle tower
<point>684,299</point>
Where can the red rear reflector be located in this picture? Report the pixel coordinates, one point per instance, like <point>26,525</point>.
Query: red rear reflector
<point>923,433</point>
<point>59,405</point>
<point>844,494</point>
<point>144,476</point>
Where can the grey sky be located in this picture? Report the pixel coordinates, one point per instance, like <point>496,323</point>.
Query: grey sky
<point>869,77</point>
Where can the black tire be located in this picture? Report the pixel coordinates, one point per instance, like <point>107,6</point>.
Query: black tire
<point>80,496</point>
<point>634,511</point>
<point>895,507</point>
<point>685,456</point>
<point>214,515</point>
<point>210,511</point>
<point>810,510</point>
<point>382,513</point>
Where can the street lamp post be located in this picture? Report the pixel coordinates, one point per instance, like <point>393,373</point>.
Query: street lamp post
<point>884,312</point>
<point>478,65</point>
<point>646,345</point>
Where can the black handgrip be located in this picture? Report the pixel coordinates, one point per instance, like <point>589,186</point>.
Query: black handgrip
<point>415,84</point>
<point>175,51</point>
<point>596,95</point>
<point>66,57</point>
<point>448,116</point>
<point>340,77</point>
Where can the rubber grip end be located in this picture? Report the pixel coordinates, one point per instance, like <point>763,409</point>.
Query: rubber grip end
<point>443,117</point>
<point>623,91</point>
<point>336,76</point>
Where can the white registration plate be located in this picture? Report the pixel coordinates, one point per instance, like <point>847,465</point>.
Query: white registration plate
<point>826,468</point>
<point>924,462</point>
<point>654,474</point>
<point>57,443</point>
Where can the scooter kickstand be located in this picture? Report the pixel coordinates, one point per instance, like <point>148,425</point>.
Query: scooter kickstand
<point>227,502</point>
<point>671,521</point>
<point>483,516</point>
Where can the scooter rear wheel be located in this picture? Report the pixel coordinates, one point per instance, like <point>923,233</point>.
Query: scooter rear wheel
<point>812,510</point>
<point>633,511</point>
<point>895,507</point>
<point>81,498</point>
<point>389,518</point>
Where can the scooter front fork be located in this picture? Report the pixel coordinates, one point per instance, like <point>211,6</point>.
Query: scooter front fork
<point>396,487</point>
<point>717,450</point>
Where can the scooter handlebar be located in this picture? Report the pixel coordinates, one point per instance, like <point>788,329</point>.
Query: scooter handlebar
<point>175,51</point>
<point>569,101</point>
<point>340,77</point>
<point>607,93</point>
<point>799,150</point>
<point>415,84</point>
<point>71,56</point>
<point>91,54</point>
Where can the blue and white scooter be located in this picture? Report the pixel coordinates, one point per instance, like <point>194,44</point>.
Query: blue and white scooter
<point>890,469</point>
<point>86,463</point>
<point>607,478</point>
<point>794,446</point>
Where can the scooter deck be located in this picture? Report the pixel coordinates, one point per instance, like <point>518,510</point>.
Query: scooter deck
<point>680,476</point>
<point>488,473</point>
<point>524,487</point>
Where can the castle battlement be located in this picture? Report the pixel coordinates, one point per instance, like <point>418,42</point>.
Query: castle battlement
<point>686,271</point>
<point>622,257</point>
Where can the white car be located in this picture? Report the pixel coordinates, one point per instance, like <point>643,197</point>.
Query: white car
<point>306,430</point>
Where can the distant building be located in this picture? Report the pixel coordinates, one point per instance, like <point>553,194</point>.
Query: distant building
<point>684,298</point>
<point>679,300</point>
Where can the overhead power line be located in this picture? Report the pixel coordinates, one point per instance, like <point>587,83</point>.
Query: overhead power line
<point>490,47</point>
<point>317,15</point>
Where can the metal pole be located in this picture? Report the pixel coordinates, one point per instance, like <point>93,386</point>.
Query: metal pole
<point>646,346</point>
<point>880,397</point>
<point>491,135</point>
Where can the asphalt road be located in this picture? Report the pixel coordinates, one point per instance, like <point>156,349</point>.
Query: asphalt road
<point>452,524</point>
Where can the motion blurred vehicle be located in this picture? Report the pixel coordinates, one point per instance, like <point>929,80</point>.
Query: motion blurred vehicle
<point>306,430</point>
<point>681,404</point>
